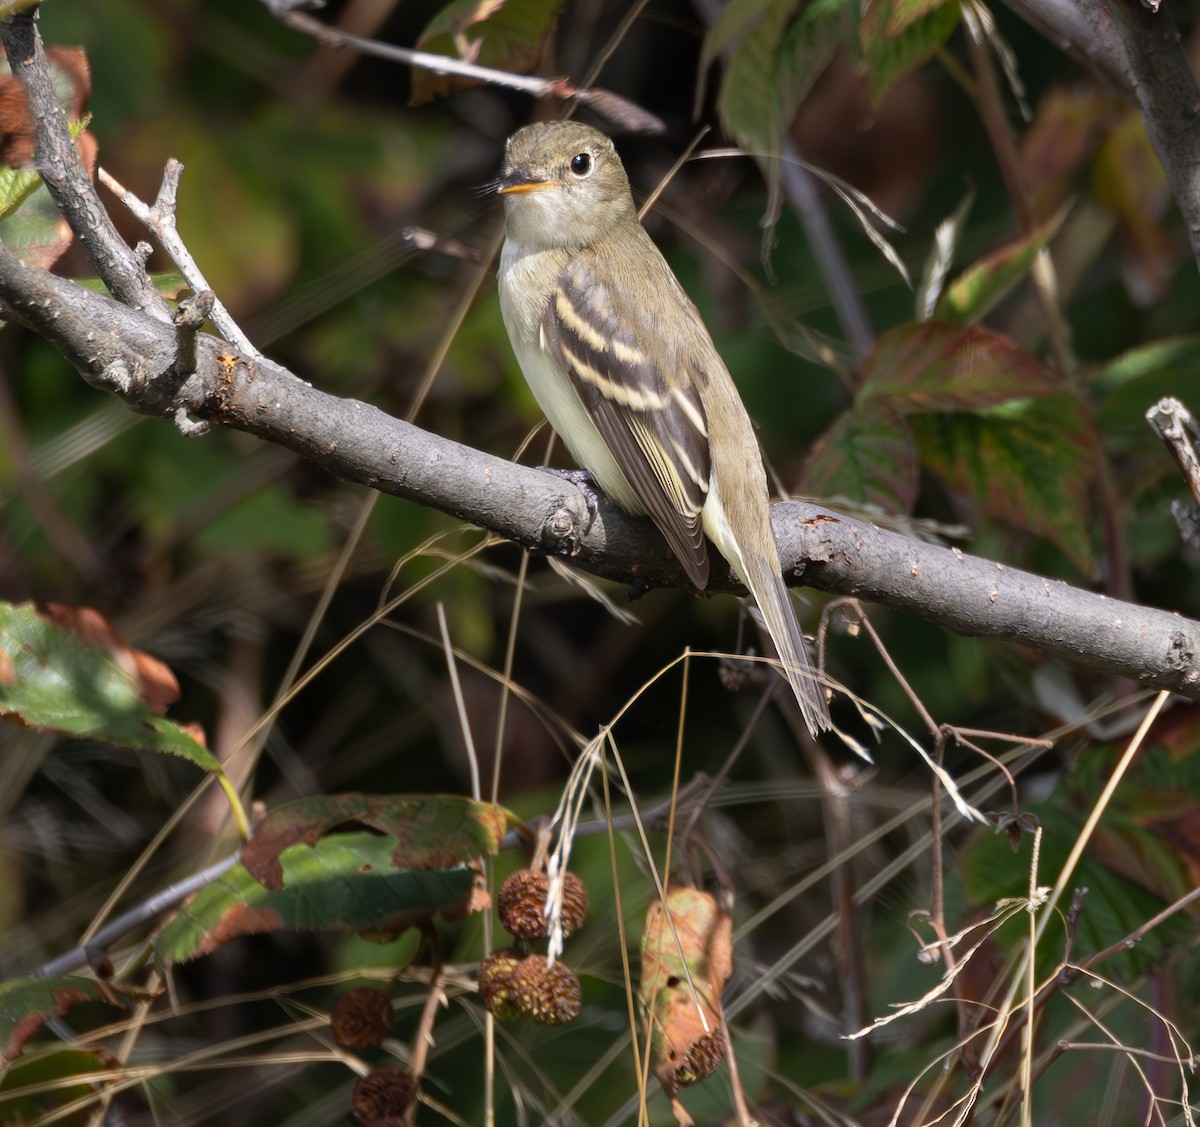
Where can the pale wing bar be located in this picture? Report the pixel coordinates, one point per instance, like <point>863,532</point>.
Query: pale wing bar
<point>657,432</point>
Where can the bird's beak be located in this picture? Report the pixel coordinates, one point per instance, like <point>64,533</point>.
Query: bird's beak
<point>519,183</point>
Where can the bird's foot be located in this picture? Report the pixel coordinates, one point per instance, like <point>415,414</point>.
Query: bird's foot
<point>586,484</point>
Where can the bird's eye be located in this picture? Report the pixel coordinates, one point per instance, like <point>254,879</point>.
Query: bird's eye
<point>581,164</point>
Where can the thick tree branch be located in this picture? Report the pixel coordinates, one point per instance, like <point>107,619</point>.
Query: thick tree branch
<point>133,356</point>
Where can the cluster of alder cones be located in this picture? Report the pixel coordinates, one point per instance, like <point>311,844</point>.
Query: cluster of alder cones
<point>361,1018</point>
<point>517,982</point>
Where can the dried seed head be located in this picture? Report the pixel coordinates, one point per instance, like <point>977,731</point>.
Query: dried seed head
<point>361,1017</point>
<point>495,982</point>
<point>547,994</point>
<point>701,1061</point>
<point>383,1094</point>
<point>520,903</point>
<point>574,903</point>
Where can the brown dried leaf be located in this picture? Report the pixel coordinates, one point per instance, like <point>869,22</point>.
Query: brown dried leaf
<point>684,971</point>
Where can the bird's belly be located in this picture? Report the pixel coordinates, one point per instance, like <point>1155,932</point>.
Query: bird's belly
<point>570,420</point>
<point>522,307</point>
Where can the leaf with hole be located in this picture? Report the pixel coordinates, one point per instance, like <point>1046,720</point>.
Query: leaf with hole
<point>427,831</point>
<point>345,882</point>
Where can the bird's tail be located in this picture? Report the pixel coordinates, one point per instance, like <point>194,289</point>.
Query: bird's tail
<point>743,535</point>
<point>777,610</point>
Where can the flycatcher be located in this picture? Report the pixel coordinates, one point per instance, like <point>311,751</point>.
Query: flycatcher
<point>619,360</point>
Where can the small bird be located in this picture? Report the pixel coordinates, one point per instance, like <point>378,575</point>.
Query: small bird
<point>619,360</point>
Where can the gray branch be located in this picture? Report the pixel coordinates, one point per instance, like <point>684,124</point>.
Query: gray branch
<point>57,161</point>
<point>133,356</point>
<point>1138,48</point>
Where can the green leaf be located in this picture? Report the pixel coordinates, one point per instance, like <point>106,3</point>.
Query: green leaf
<point>40,227</point>
<point>1142,855</point>
<point>170,283</point>
<point>774,61</point>
<point>902,14</point>
<point>730,25</point>
<point>26,1003</point>
<point>16,186</point>
<point>345,882</point>
<point>868,455</point>
<point>805,51</point>
<point>942,366</point>
<point>50,678</point>
<point>1151,828</point>
<point>429,831</point>
<point>1139,378</point>
<point>49,1081</point>
<point>1030,463</point>
<point>1112,908</point>
<point>506,34</point>
<point>979,288</point>
<point>775,50</point>
<point>749,98</point>
<point>887,55</point>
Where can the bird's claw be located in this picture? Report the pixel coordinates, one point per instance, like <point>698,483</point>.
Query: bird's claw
<point>586,484</point>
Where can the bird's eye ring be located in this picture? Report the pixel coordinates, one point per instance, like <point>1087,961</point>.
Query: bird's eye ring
<point>581,164</point>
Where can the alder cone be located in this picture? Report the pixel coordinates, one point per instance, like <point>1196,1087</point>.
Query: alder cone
<point>547,994</point>
<point>701,1060</point>
<point>575,903</point>
<point>520,902</point>
<point>495,984</point>
<point>361,1017</point>
<point>383,1095</point>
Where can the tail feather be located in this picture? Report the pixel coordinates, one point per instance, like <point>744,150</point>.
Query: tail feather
<point>742,533</point>
<point>777,610</point>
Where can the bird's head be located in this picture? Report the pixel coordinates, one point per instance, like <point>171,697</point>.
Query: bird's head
<point>563,185</point>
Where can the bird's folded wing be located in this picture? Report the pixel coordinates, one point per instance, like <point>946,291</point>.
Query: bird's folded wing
<point>653,420</point>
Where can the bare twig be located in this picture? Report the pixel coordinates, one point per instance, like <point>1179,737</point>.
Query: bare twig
<point>121,925</point>
<point>1174,424</point>
<point>58,162</point>
<point>160,218</point>
<point>423,1035</point>
<point>619,112</point>
<point>189,320</point>
<point>1128,1050</point>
